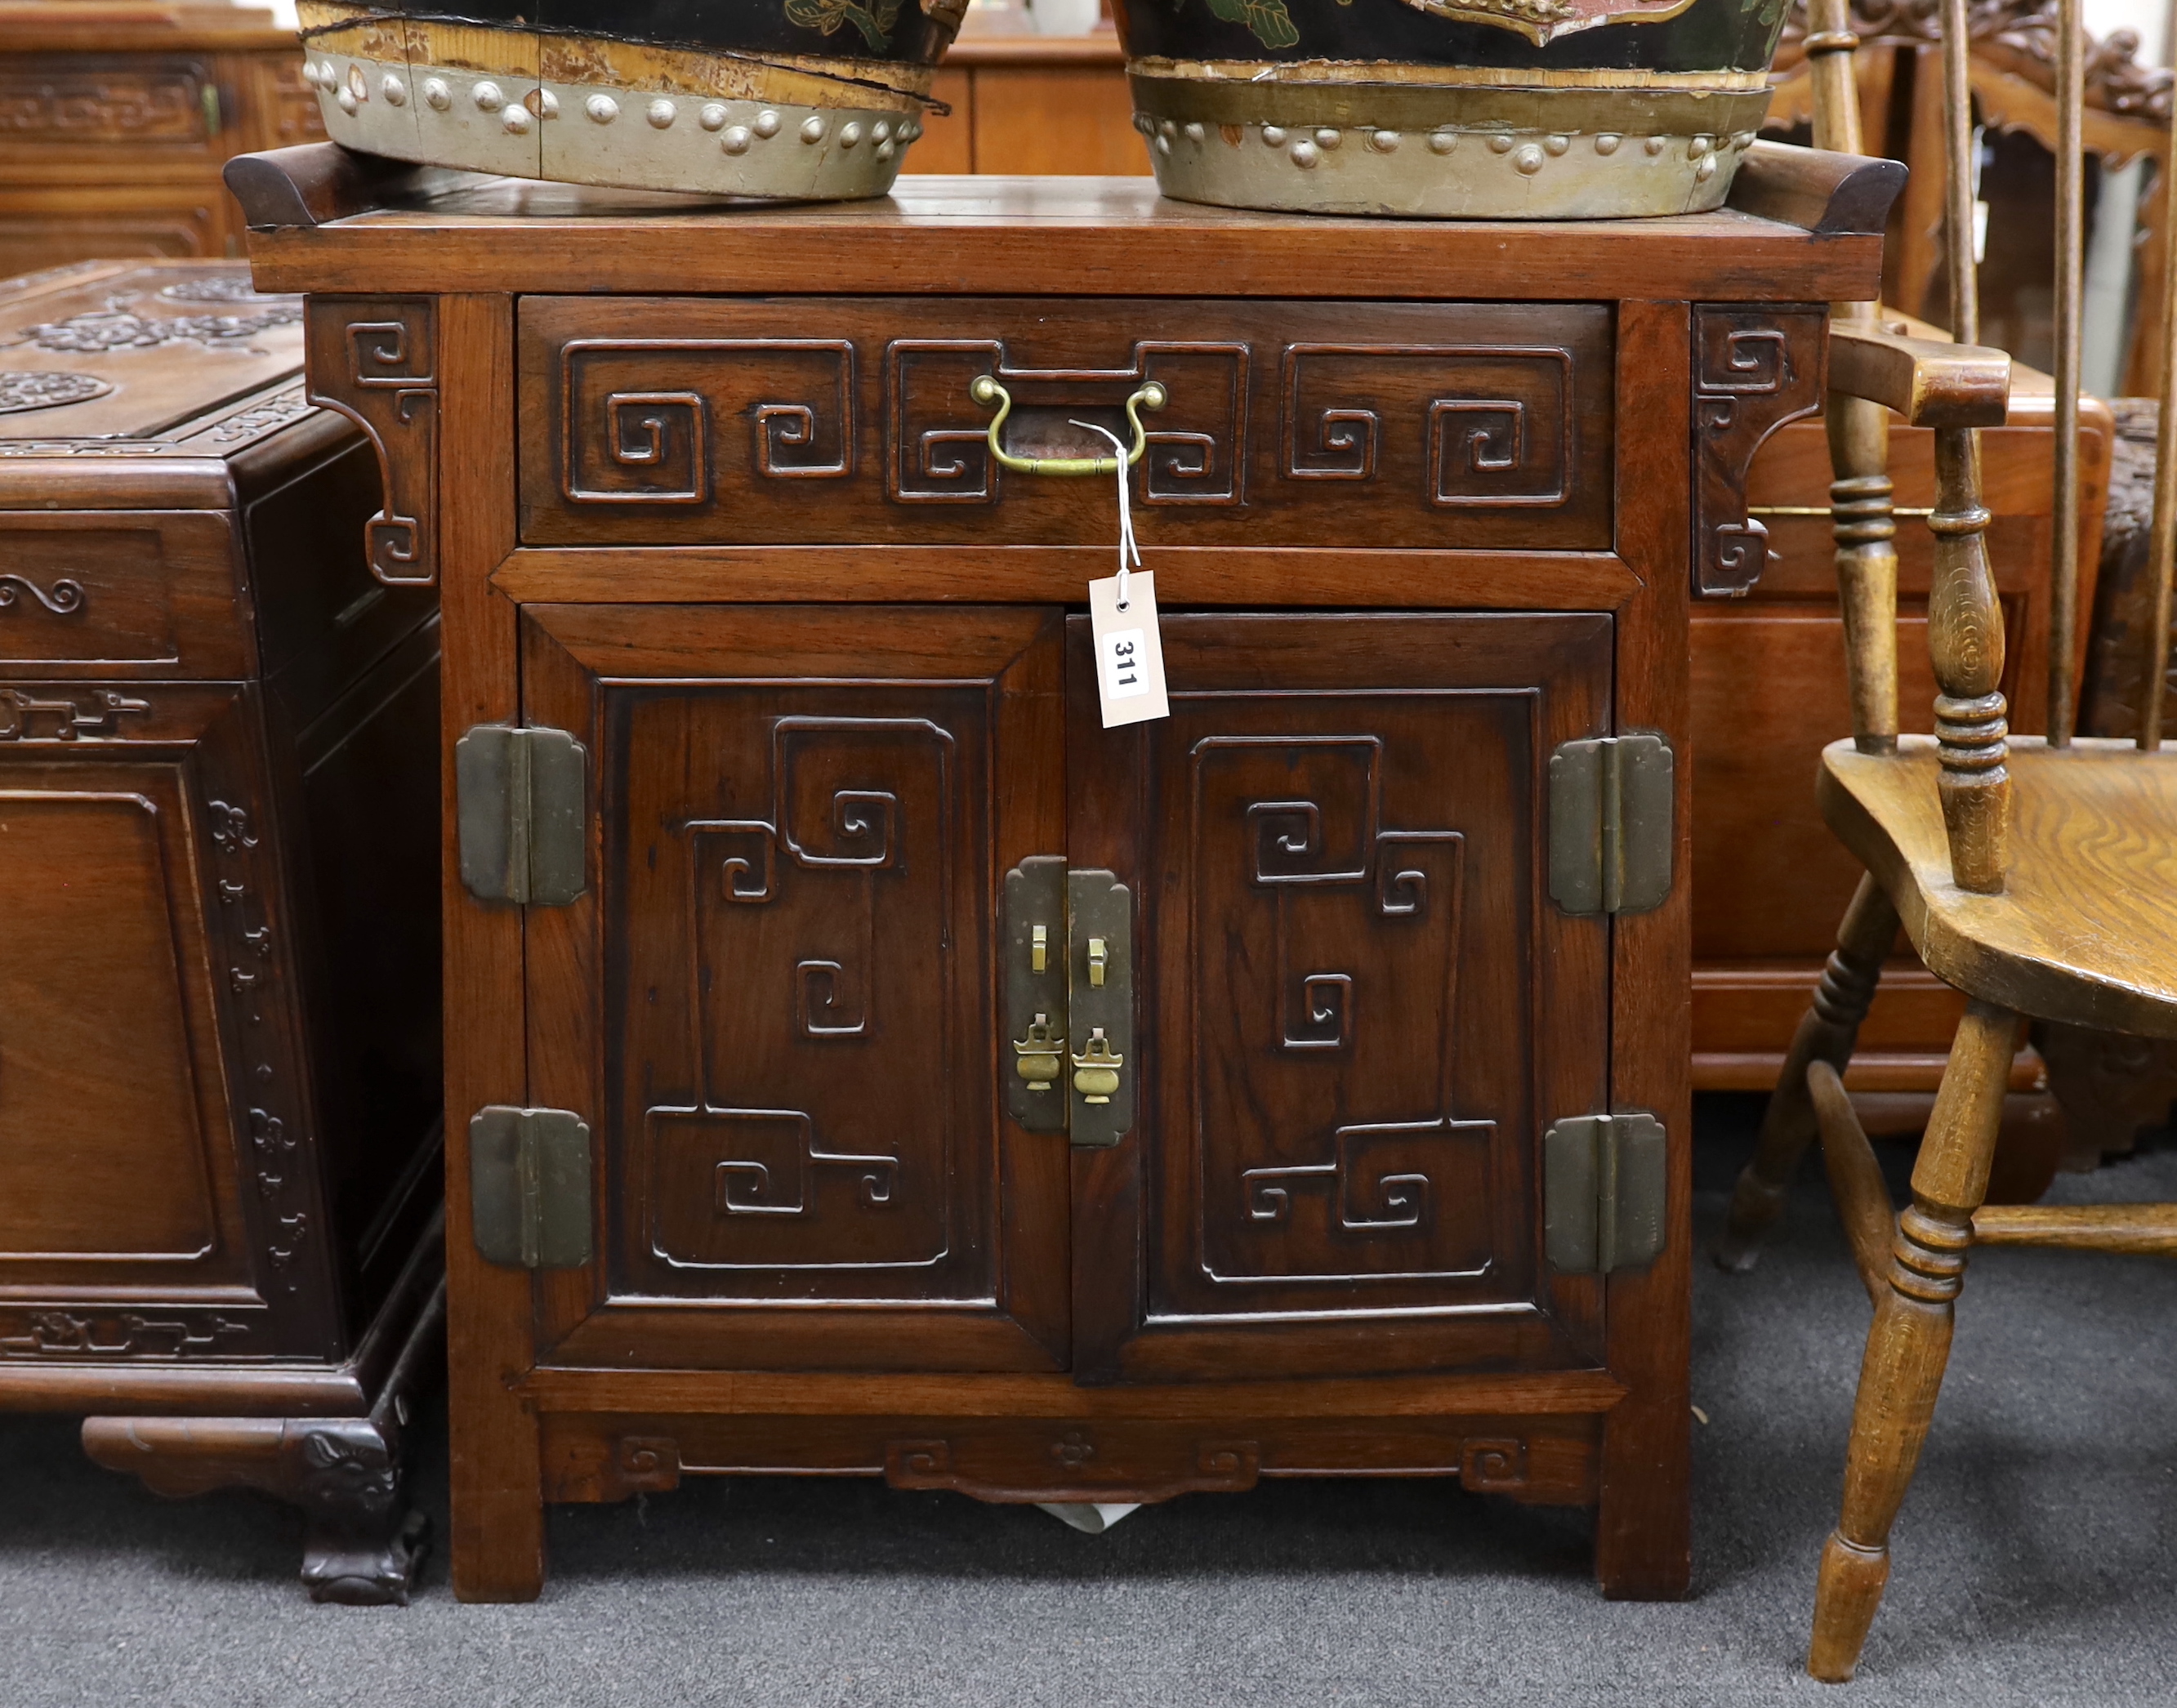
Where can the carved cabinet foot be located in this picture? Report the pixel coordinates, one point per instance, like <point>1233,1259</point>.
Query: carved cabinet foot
<point>369,1564</point>
<point>363,1542</point>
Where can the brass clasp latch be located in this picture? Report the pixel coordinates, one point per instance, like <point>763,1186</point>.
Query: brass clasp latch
<point>1096,1071</point>
<point>1037,1055</point>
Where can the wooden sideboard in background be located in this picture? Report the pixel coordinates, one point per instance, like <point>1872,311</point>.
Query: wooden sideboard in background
<point>115,120</point>
<point>1038,104</point>
<point>1769,882</point>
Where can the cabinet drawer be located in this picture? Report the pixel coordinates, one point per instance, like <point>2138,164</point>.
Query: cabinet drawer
<point>668,421</point>
<point>61,104</point>
<point>118,592</point>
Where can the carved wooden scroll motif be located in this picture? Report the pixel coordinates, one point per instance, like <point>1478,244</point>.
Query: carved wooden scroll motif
<point>1360,922</point>
<point>638,440</point>
<point>1493,430</point>
<point>375,360</point>
<point>1754,370</point>
<point>804,1137</point>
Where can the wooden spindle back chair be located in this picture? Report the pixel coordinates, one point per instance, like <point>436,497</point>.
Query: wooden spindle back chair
<point>2038,876</point>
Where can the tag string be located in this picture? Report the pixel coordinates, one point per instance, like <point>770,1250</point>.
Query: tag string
<point>1127,547</point>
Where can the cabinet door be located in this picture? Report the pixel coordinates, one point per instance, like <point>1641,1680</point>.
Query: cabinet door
<point>1356,1008</point>
<point>774,1004</point>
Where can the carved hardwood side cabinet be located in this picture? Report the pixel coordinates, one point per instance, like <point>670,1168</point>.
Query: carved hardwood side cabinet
<point>219,1002</point>
<point>861,1061</point>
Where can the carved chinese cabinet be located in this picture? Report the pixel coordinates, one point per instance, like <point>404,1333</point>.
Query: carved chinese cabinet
<point>865,1063</point>
<point>219,1002</point>
<point>116,116</point>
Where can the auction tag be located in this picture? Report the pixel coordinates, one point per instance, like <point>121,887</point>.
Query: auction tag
<point>1129,651</point>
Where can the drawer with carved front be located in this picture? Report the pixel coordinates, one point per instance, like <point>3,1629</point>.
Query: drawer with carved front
<point>666,421</point>
<point>61,103</point>
<point>100,593</point>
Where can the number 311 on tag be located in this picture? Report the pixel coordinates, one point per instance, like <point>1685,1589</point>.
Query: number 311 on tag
<point>1129,651</point>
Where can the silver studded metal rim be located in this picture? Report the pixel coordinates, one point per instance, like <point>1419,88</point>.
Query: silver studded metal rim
<point>1445,171</point>
<point>591,134</point>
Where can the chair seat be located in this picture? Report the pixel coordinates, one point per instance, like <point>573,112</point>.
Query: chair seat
<point>2086,928</point>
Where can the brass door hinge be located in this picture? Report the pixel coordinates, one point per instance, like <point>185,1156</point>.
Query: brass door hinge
<point>1606,1180</point>
<point>1611,840</point>
<point>521,796</point>
<point>529,1188</point>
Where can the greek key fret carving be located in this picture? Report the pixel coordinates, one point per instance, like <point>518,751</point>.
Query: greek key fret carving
<point>632,443</point>
<point>1507,443</point>
<point>661,433</point>
<point>1344,447</point>
<point>1754,370</point>
<point>375,360</point>
<point>766,1159</point>
<point>1363,1178</point>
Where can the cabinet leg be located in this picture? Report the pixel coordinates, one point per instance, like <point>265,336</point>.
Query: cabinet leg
<point>1642,1520</point>
<point>363,1542</point>
<point>498,1497</point>
<point>1826,1033</point>
<point>498,1543</point>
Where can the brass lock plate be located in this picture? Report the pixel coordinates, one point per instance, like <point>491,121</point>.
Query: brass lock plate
<point>1032,978</point>
<point>1099,954</point>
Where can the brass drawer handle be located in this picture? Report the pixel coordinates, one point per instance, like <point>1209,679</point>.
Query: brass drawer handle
<point>985,390</point>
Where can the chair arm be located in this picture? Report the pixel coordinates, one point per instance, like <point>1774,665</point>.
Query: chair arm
<point>1929,383</point>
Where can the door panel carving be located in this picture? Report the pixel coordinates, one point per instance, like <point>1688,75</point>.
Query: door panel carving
<point>811,1122</point>
<point>1363,928</point>
<point>801,827</point>
<point>1358,1003</point>
<point>799,991</point>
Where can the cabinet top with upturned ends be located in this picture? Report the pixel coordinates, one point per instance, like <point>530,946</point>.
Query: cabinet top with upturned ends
<point>1803,226</point>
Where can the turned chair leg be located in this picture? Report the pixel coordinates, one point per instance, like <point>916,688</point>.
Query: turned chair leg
<point>1826,1033</point>
<point>1909,1343</point>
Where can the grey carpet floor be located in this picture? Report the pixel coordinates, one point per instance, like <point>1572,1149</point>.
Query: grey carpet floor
<point>2034,1560</point>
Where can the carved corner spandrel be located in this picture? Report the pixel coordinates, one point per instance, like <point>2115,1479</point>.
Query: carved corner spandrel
<point>375,360</point>
<point>1755,369</point>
